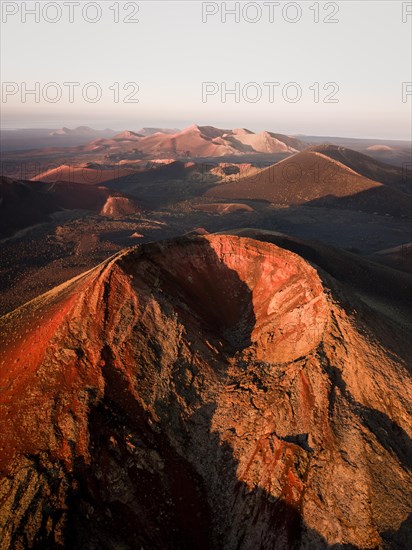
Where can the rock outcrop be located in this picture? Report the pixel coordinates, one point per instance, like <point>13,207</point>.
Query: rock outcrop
<point>118,207</point>
<point>207,392</point>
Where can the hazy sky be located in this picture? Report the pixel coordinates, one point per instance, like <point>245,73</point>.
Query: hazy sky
<point>170,52</point>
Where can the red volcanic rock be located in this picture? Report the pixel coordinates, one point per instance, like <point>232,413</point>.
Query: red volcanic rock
<point>207,392</point>
<point>117,207</point>
<point>127,134</point>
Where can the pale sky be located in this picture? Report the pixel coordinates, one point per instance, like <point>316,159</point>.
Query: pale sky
<point>170,52</point>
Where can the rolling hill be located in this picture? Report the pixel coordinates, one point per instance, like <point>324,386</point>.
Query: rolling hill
<point>394,176</point>
<point>196,141</point>
<point>87,174</point>
<point>313,178</point>
<point>22,205</point>
<point>25,203</point>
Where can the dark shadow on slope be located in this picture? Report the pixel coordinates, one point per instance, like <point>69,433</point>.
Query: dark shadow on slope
<point>365,165</point>
<point>155,498</point>
<point>400,539</point>
<point>197,286</point>
<point>390,436</point>
<point>137,491</point>
<point>160,478</point>
<point>159,186</point>
<point>250,518</point>
<point>127,500</point>
<point>171,171</point>
<point>383,200</point>
<point>157,190</point>
<point>22,205</point>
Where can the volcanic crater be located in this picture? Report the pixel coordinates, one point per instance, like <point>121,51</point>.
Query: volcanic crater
<point>205,392</point>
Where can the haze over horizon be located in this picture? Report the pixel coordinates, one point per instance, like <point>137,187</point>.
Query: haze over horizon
<point>170,125</point>
<point>367,71</point>
<point>136,127</point>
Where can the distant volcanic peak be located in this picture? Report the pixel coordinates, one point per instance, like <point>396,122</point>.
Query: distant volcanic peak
<point>148,131</point>
<point>350,158</point>
<point>380,147</point>
<point>128,134</point>
<point>303,177</point>
<point>63,131</point>
<point>264,142</point>
<point>68,131</point>
<point>190,129</point>
<point>209,132</point>
<point>365,164</point>
<point>83,129</point>
<point>241,131</point>
<point>195,141</point>
<point>326,160</point>
<point>275,141</point>
<point>324,147</point>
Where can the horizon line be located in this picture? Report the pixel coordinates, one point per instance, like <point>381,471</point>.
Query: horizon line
<point>166,127</point>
